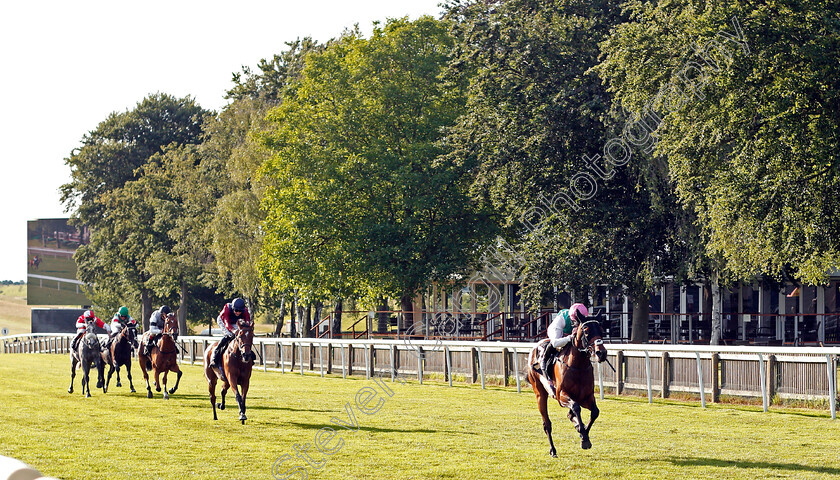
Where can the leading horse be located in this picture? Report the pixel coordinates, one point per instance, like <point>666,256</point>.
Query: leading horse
<point>118,354</point>
<point>87,352</point>
<point>164,359</point>
<point>574,380</point>
<point>235,371</point>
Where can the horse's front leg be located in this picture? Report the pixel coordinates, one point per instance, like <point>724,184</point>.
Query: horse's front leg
<point>72,373</point>
<point>119,383</point>
<point>86,380</point>
<point>128,374</point>
<point>241,393</point>
<point>177,370</point>
<point>108,378</point>
<point>165,379</point>
<point>577,421</point>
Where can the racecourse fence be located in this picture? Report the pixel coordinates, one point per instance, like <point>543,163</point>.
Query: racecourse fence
<point>706,372</point>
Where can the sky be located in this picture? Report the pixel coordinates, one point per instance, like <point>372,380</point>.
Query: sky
<point>67,65</point>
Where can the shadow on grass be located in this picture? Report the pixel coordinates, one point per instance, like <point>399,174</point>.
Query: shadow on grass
<point>319,426</point>
<point>715,462</point>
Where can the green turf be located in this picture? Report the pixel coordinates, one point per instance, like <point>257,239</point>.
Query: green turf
<point>421,432</point>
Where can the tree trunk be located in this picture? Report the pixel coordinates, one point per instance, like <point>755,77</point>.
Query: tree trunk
<point>316,320</point>
<point>407,306</point>
<point>182,309</point>
<point>146,310</point>
<point>335,328</point>
<point>717,318</point>
<point>307,325</point>
<point>293,316</point>
<point>641,319</point>
<point>382,316</point>
<point>278,327</point>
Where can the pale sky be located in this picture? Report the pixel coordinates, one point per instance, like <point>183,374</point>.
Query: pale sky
<point>67,65</point>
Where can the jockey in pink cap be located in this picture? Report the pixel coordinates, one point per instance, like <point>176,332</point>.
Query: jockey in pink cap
<point>560,330</point>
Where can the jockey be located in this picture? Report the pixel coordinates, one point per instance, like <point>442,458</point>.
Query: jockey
<point>230,316</point>
<point>560,330</point>
<point>84,321</point>
<point>156,323</point>
<point>121,320</point>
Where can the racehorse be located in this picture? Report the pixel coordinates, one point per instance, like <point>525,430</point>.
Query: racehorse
<point>119,354</point>
<point>574,380</point>
<point>237,362</point>
<point>87,352</point>
<point>164,358</point>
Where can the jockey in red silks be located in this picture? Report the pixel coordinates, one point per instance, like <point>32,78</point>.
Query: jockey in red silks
<point>82,323</point>
<point>230,316</point>
<point>560,330</point>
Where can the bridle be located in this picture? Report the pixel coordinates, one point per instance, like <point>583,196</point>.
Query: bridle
<point>244,349</point>
<point>588,345</point>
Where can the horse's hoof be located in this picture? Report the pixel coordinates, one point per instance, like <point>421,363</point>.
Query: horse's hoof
<point>149,395</point>
<point>220,406</point>
<point>119,384</point>
<point>157,389</point>
<point>133,390</point>
<point>243,417</point>
<point>70,390</point>
<point>585,444</point>
<point>98,384</point>
<point>171,390</point>
<point>87,395</point>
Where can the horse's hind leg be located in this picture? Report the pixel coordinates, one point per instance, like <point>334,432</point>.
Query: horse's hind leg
<point>119,382</point>
<point>225,387</point>
<point>211,387</point>
<point>542,404</point>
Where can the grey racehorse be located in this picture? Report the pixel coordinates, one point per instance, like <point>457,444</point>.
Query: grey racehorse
<point>87,352</point>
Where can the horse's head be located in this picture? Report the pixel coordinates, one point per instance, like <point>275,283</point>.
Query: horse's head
<point>170,324</point>
<point>245,340</point>
<point>91,339</point>
<point>588,339</point>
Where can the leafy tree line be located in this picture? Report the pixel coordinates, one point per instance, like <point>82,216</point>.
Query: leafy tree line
<point>607,142</point>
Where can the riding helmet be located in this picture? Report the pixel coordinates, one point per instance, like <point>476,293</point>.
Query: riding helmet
<point>579,312</point>
<point>165,310</point>
<point>238,304</point>
<point>88,314</point>
<point>123,311</point>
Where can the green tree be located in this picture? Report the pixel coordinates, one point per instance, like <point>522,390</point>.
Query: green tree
<point>582,200</point>
<point>360,199</point>
<point>107,193</point>
<point>749,102</point>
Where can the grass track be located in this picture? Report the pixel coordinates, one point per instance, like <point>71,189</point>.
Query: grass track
<point>421,432</point>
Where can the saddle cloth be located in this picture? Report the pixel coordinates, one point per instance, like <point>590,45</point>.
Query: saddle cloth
<point>537,361</point>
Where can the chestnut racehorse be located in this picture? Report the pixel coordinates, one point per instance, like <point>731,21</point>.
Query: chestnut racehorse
<point>236,363</point>
<point>164,359</point>
<point>574,380</point>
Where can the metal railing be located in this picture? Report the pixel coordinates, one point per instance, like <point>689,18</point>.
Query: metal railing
<point>707,372</point>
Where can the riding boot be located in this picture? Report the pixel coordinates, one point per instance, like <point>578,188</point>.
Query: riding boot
<point>549,351</point>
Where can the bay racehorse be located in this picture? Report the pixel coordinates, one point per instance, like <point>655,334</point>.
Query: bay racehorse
<point>164,359</point>
<point>236,363</point>
<point>574,380</point>
<point>87,353</point>
<point>118,354</point>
